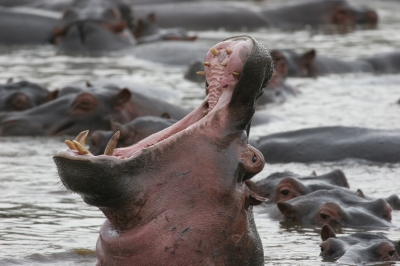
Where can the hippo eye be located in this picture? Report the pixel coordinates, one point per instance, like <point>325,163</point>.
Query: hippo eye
<point>391,253</point>
<point>323,216</point>
<point>254,159</point>
<point>285,192</point>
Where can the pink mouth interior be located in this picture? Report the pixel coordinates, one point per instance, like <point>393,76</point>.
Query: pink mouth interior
<point>226,58</point>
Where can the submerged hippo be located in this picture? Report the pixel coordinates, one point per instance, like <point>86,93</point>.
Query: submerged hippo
<point>92,26</point>
<point>358,248</point>
<point>130,133</point>
<point>287,185</point>
<point>215,15</point>
<point>146,30</point>
<point>79,107</point>
<point>167,203</point>
<point>331,144</point>
<point>311,64</point>
<point>19,96</point>
<point>335,207</point>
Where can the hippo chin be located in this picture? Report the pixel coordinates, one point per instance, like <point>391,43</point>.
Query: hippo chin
<point>178,197</point>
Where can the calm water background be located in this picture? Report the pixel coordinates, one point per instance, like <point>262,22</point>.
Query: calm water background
<point>43,224</point>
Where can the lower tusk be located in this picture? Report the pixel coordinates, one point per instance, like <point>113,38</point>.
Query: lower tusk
<point>112,144</point>
<point>70,144</point>
<point>82,150</point>
<point>81,138</point>
<point>201,73</point>
<point>235,74</point>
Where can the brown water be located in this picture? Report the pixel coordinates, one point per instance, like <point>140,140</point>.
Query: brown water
<point>42,224</point>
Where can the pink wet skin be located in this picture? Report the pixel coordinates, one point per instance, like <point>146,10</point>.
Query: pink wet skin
<point>125,239</point>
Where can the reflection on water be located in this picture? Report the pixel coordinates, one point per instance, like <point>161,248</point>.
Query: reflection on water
<point>42,224</point>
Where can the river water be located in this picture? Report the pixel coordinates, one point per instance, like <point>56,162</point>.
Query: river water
<point>43,224</point>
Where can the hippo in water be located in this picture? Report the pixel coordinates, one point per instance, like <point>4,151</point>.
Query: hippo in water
<point>287,185</point>
<point>358,248</point>
<point>19,96</point>
<point>311,64</point>
<point>335,207</point>
<point>209,15</point>
<point>330,144</point>
<point>80,107</point>
<point>130,133</point>
<point>167,203</point>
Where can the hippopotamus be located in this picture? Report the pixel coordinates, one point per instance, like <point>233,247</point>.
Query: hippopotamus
<point>283,186</point>
<point>311,64</point>
<point>19,96</point>
<point>146,30</point>
<point>167,203</point>
<point>215,15</point>
<point>130,133</point>
<point>358,248</point>
<point>335,207</point>
<point>287,185</point>
<point>21,27</point>
<point>328,144</point>
<point>90,26</point>
<point>80,107</point>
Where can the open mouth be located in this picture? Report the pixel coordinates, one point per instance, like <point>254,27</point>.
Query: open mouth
<point>222,68</point>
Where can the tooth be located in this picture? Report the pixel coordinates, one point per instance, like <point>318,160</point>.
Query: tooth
<point>205,104</point>
<point>206,63</point>
<point>205,113</point>
<point>82,150</point>
<point>214,51</point>
<point>112,144</point>
<point>70,144</point>
<point>207,89</point>
<point>81,138</point>
<point>228,51</point>
<point>235,74</point>
<point>224,63</point>
<point>218,88</point>
<point>201,73</point>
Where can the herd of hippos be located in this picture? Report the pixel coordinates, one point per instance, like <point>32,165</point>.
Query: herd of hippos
<point>165,202</point>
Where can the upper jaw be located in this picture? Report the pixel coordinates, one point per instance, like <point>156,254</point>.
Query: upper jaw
<point>223,68</point>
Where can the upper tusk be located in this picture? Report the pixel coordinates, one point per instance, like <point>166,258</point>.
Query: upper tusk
<point>81,138</point>
<point>82,150</point>
<point>112,144</point>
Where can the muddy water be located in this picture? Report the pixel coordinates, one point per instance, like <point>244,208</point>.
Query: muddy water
<point>42,224</point>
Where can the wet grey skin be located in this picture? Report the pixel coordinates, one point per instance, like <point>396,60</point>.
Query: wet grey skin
<point>283,186</point>
<point>358,248</point>
<point>19,96</point>
<point>131,132</point>
<point>78,108</point>
<point>123,182</point>
<point>334,207</point>
<point>95,27</point>
<point>328,144</point>
<point>317,14</point>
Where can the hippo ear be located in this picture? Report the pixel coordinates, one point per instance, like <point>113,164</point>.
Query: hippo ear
<point>327,232</point>
<point>53,95</point>
<point>360,193</point>
<point>116,126</point>
<point>307,60</point>
<point>123,97</point>
<point>314,173</point>
<point>152,17</point>
<point>287,210</point>
<point>166,115</point>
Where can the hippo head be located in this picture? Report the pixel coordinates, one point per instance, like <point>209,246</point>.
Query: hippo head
<point>178,196</point>
<point>94,26</point>
<point>358,248</point>
<point>75,109</point>
<point>19,96</point>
